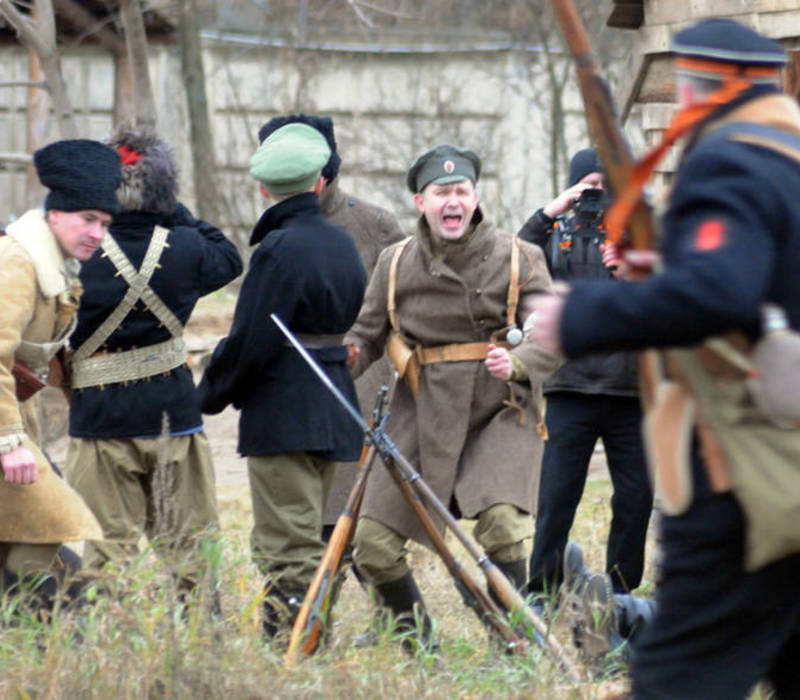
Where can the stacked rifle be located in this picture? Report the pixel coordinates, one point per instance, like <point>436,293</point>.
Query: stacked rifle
<point>308,626</point>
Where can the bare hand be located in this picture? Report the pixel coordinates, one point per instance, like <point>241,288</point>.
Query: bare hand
<point>19,466</point>
<point>546,330</point>
<point>566,199</point>
<point>498,362</point>
<point>352,354</point>
<point>630,263</point>
<point>612,258</point>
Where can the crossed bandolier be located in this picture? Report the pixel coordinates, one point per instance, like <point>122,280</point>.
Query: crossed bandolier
<point>93,368</point>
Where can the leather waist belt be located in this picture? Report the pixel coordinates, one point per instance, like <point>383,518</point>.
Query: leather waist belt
<point>456,352</point>
<point>312,340</point>
<point>129,365</point>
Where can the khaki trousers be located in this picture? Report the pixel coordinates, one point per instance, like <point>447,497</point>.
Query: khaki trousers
<point>380,552</point>
<point>288,493</point>
<point>131,495</point>
<point>27,559</point>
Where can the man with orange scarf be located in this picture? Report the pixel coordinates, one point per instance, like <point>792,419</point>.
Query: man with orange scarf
<point>728,611</point>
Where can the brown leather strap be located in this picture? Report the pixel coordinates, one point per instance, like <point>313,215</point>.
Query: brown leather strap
<point>390,302</point>
<point>718,475</point>
<point>713,457</point>
<point>513,286</point>
<point>456,352</point>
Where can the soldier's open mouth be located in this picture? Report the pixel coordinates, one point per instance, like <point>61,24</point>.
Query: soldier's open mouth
<point>452,220</point>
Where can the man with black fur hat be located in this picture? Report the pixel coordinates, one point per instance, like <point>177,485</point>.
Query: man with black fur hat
<point>725,464</point>
<point>129,371</point>
<point>372,229</point>
<point>467,415</point>
<point>40,256</point>
<point>589,398</point>
<point>308,272</point>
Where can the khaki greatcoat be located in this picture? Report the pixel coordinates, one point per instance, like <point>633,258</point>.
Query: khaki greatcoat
<point>40,297</point>
<point>468,443</point>
<point>372,229</point>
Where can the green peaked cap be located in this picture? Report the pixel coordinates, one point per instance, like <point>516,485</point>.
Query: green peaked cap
<point>442,165</point>
<point>290,159</point>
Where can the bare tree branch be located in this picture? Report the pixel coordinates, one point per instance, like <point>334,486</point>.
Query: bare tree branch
<point>81,17</point>
<point>136,42</point>
<point>24,83</point>
<point>24,158</point>
<point>24,28</point>
<point>360,13</point>
<point>41,38</point>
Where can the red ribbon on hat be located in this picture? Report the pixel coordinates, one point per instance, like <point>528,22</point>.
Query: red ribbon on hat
<point>127,155</point>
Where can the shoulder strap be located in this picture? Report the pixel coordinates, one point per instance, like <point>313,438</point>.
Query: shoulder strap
<point>785,142</point>
<point>138,289</point>
<point>512,301</point>
<point>514,285</point>
<point>390,302</point>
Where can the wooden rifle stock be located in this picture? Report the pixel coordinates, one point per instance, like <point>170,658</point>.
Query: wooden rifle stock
<point>472,594</point>
<point>613,148</point>
<point>506,593</point>
<point>615,154</point>
<point>307,628</point>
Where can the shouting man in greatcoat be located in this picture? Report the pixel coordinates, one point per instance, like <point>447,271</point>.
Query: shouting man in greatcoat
<point>468,416</point>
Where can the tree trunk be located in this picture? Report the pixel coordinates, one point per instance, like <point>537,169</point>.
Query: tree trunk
<point>41,38</point>
<point>144,109</point>
<point>37,118</point>
<point>201,141</point>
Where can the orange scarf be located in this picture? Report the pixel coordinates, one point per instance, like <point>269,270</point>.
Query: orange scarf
<point>737,80</point>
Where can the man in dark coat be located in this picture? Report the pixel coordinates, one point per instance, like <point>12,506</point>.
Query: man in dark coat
<point>372,228</point>
<point>589,398</point>
<point>728,610</point>
<point>128,367</point>
<point>308,273</point>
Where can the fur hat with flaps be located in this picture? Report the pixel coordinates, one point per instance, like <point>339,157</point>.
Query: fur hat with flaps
<point>149,175</point>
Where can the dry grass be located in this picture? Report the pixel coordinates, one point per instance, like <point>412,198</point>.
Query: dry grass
<point>134,641</point>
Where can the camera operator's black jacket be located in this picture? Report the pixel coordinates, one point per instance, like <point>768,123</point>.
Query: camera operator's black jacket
<point>607,373</point>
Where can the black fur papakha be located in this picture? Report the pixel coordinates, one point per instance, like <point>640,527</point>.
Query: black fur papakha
<point>149,183</point>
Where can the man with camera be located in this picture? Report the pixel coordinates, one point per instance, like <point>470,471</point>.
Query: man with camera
<point>589,398</point>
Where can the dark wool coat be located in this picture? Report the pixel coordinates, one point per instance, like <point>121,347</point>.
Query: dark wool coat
<point>308,273</point>
<point>198,261</point>
<point>372,229</point>
<point>466,441</point>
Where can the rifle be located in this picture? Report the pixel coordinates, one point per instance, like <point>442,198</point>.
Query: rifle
<point>615,154</point>
<point>308,626</point>
<point>497,581</point>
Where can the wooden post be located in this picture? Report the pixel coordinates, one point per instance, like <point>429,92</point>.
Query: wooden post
<point>791,76</point>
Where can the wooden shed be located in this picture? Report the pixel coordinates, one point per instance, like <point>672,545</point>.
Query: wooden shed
<point>649,92</point>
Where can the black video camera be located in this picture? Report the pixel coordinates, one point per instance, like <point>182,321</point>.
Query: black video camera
<point>590,206</point>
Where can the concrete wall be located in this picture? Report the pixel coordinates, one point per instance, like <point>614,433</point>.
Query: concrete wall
<point>388,107</point>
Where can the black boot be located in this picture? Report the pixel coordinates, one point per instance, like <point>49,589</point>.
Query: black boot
<point>404,600</point>
<point>632,614</point>
<point>516,572</point>
<point>279,611</point>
